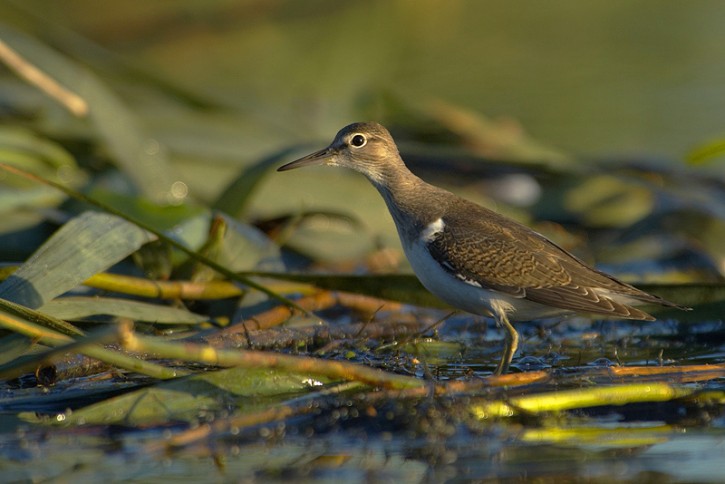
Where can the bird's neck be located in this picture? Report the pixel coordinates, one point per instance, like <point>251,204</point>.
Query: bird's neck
<point>412,202</point>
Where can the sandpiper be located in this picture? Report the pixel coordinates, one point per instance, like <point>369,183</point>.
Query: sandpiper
<point>471,257</point>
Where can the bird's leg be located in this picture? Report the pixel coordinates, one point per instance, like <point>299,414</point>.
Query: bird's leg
<point>511,342</point>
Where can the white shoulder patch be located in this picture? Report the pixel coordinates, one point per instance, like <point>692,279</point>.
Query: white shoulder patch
<point>433,228</point>
<point>468,281</point>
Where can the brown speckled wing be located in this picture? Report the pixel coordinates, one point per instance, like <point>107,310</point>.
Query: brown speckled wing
<point>482,247</point>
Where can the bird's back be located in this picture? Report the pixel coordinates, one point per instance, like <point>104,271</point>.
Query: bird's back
<point>482,247</point>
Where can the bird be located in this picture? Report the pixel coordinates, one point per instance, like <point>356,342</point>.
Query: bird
<point>474,258</point>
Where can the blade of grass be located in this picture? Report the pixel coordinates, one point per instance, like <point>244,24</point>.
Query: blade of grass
<point>259,359</point>
<point>237,194</point>
<point>191,253</point>
<point>179,289</point>
<point>136,154</point>
<point>581,398</point>
<point>85,245</point>
<point>22,325</point>
<point>84,307</point>
<point>29,363</point>
<point>53,324</point>
<point>617,437</point>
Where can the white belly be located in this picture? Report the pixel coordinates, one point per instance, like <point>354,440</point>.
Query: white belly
<point>469,296</point>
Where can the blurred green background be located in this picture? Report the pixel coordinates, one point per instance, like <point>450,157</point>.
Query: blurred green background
<point>599,76</point>
<point>599,123</point>
<point>213,87</point>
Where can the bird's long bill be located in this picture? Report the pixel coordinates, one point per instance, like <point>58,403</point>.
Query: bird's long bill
<point>316,158</point>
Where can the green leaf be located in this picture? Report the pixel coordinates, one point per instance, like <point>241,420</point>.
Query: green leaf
<point>580,398</point>
<point>237,195</point>
<point>140,157</point>
<point>160,216</point>
<point>245,247</point>
<point>609,201</point>
<point>86,245</point>
<point>190,398</point>
<point>23,148</point>
<point>13,346</point>
<point>707,152</point>
<point>54,332</point>
<point>77,307</point>
<point>21,319</point>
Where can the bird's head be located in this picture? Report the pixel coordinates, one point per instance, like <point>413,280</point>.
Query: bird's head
<point>365,147</point>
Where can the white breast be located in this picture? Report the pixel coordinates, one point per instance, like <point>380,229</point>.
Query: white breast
<point>465,294</point>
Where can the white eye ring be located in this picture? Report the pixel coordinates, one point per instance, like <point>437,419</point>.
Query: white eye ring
<point>358,140</point>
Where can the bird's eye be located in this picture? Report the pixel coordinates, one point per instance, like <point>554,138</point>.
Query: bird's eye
<point>358,141</point>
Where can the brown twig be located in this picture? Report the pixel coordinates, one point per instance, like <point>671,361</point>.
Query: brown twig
<point>316,302</point>
<point>70,100</point>
<point>335,370</point>
<point>680,374</point>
